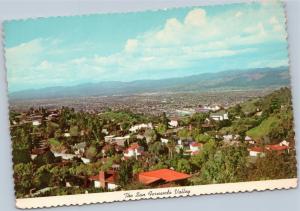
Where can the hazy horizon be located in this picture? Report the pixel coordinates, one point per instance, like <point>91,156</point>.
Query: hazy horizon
<point>144,79</point>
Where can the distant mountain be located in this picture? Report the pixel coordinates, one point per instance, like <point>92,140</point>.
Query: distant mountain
<point>228,80</point>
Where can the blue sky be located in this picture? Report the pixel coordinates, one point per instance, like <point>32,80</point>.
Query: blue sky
<point>66,51</point>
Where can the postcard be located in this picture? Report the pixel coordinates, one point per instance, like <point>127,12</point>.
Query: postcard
<point>153,104</point>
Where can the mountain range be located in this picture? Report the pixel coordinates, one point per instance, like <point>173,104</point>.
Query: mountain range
<point>259,78</point>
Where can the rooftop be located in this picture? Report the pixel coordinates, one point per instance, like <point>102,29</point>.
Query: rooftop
<point>167,175</point>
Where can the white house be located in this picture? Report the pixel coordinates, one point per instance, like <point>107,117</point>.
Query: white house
<point>284,143</point>
<point>249,140</point>
<point>108,138</point>
<point>104,131</point>
<point>120,140</point>
<point>106,180</point>
<point>219,116</point>
<point>135,128</point>
<point>256,152</point>
<point>195,148</point>
<point>134,150</point>
<point>173,123</point>
<point>67,134</point>
<point>164,140</point>
<point>85,160</point>
<point>36,122</point>
<point>64,156</point>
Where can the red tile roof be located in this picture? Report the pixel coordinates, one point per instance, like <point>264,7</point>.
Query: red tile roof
<point>167,175</point>
<point>134,146</point>
<point>276,147</point>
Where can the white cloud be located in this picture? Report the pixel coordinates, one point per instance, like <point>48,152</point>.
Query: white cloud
<point>178,43</point>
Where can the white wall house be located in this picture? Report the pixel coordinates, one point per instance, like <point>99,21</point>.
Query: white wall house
<point>284,143</point>
<point>36,122</point>
<point>135,128</point>
<point>173,123</point>
<point>134,150</point>
<point>108,138</point>
<point>85,160</point>
<point>194,147</point>
<point>256,152</point>
<point>164,140</point>
<point>219,116</point>
<point>67,134</point>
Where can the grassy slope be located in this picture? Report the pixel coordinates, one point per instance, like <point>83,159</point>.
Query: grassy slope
<point>264,128</point>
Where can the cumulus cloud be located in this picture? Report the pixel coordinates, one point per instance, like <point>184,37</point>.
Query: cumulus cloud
<point>176,44</point>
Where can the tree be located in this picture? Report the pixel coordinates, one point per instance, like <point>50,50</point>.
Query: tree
<point>161,128</point>
<point>183,165</point>
<point>226,165</point>
<point>274,166</point>
<point>125,173</point>
<point>23,173</point>
<point>183,133</point>
<point>46,158</point>
<point>42,177</point>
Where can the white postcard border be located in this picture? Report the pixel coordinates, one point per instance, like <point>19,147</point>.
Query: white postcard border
<point>91,198</point>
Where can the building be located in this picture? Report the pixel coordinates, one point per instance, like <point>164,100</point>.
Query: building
<point>36,122</point>
<point>108,138</point>
<point>195,148</point>
<point>173,123</point>
<point>278,148</point>
<point>105,180</point>
<point>162,176</point>
<point>67,135</point>
<point>256,152</point>
<point>120,140</point>
<point>164,140</point>
<point>134,150</point>
<point>284,143</point>
<point>135,128</point>
<point>220,116</point>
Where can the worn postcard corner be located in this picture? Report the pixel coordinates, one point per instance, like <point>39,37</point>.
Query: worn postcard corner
<point>147,105</point>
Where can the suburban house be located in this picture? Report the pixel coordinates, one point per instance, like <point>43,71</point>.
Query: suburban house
<point>108,138</point>
<point>284,143</point>
<point>36,122</point>
<point>162,176</point>
<point>134,150</point>
<point>173,123</point>
<point>220,116</point>
<point>260,151</point>
<point>256,152</point>
<point>85,160</point>
<point>135,128</point>
<point>104,131</point>
<point>67,135</point>
<point>105,180</point>
<point>164,140</point>
<point>278,148</point>
<point>120,140</point>
<point>195,148</point>
<point>64,156</point>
